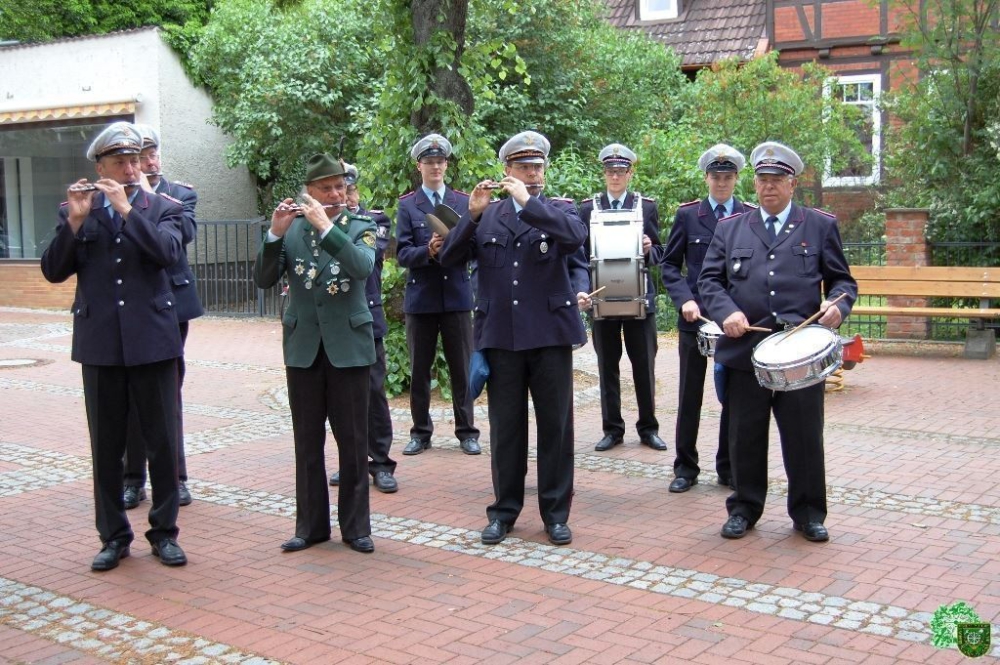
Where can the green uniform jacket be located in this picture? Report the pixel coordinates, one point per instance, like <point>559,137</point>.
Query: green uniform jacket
<point>326,295</point>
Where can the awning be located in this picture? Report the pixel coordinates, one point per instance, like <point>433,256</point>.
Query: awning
<point>12,117</point>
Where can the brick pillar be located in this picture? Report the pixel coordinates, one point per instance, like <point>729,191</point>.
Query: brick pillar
<point>906,245</point>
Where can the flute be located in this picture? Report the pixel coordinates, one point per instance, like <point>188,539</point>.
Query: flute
<point>91,187</point>
<point>297,209</point>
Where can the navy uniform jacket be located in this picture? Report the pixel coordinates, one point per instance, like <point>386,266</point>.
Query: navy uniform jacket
<point>123,312</point>
<point>326,290</point>
<point>786,281</point>
<point>526,299</point>
<point>373,287</point>
<point>431,288</point>
<point>650,227</point>
<point>187,304</point>
<point>690,236</point>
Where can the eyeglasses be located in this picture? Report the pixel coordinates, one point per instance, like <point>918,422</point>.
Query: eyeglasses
<point>617,172</point>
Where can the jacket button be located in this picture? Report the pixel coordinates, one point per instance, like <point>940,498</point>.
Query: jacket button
<point>567,303</point>
<point>515,282</point>
<point>446,277</point>
<point>121,303</point>
<point>118,240</point>
<point>515,264</point>
<point>772,293</point>
<point>170,304</point>
<point>515,302</point>
<point>118,260</point>
<point>118,281</point>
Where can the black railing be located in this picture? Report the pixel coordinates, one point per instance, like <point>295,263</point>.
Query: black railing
<point>222,257</point>
<point>985,254</point>
<point>865,254</point>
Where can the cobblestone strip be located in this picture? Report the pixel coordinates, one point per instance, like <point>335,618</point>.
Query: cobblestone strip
<point>24,335</point>
<point>900,503</point>
<point>785,602</point>
<point>108,634</point>
<point>39,469</point>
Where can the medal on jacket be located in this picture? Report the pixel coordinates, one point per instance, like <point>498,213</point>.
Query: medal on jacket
<point>345,286</point>
<point>332,288</point>
<point>544,247</point>
<point>334,268</point>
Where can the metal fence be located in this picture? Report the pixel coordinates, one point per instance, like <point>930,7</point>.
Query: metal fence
<point>222,257</point>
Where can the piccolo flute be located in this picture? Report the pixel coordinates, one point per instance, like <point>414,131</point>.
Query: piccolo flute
<point>297,209</point>
<point>91,187</point>
<point>497,185</point>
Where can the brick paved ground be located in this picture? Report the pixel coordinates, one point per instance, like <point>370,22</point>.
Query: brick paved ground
<point>913,453</point>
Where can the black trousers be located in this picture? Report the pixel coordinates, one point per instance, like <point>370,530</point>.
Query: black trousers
<point>150,393</point>
<point>422,332</point>
<point>640,344</point>
<point>546,373</point>
<point>135,455</point>
<point>379,417</point>
<point>799,415</point>
<point>690,396</point>
<point>318,395</point>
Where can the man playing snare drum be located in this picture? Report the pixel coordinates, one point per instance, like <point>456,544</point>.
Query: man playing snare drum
<point>765,267</point>
<point>694,226</point>
<point>639,334</point>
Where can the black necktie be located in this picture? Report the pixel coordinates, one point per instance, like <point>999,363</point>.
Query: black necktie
<point>616,204</point>
<point>437,199</point>
<point>771,225</point>
<point>720,211</point>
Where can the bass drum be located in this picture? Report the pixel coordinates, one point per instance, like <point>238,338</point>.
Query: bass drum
<point>617,265</point>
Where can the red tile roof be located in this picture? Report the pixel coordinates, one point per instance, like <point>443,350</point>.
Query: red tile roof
<point>705,31</point>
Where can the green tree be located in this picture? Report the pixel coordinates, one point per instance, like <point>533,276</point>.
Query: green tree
<point>942,151</point>
<point>44,20</point>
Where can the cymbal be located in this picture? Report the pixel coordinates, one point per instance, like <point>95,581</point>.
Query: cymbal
<point>437,225</point>
<point>447,215</point>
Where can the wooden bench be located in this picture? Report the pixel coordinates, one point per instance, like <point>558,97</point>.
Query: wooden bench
<point>935,282</point>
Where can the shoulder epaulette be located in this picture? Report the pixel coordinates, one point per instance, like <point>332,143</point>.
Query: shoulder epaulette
<point>363,218</point>
<point>182,184</point>
<point>825,213</point>
<point>649,198</point>
<point>735,214</point>
<point>458,191</point>
<point>170,198</point>
<point>689,203</point>
<point>64,203</point>
<point>376,212</point>
<point>407,195</point>
<point>561,198</point>
<point>753,206</point>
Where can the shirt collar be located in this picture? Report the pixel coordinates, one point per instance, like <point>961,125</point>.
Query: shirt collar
<point>782,216</point>
<point>621,201</point>
<point>429,193</point>
<point>728,205</point>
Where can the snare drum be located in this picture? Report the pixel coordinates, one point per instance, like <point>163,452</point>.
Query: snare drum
<point>807,358</point>
<point>708,334</point>
<point>617,265</point>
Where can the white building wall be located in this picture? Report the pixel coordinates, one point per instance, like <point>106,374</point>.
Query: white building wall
<point>134,65</point>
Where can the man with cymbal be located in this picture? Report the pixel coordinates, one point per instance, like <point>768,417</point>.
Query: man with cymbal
<point>121,241</point>
<point>186,305</point>
<point>327,255</point>
<point>437,299</point>
<point>766,268</point>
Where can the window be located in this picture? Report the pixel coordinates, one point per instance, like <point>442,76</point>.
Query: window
<point>862,92</point>
<point>657,10</point>
<point>38,161</point>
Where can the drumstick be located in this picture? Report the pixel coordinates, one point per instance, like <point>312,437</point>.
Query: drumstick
<point>705,319</point>
<point>810,319</point>
<point>594,293</point>
<point>754,328</point>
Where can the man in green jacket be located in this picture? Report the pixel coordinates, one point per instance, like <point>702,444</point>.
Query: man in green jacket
<point>327,254</point>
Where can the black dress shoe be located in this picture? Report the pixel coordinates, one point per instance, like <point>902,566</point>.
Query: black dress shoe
<point>653,441</point>
<point>183,494</point>
<point>133,495</point>
<point>607,443</point>
<point>169,552</point>
<point>384,482</point>
<point>109,555</point>
<point>416,446</point>
<point>559,534</point>
<point>297,544</point>
<point>494,532</point>
<point>335,478</point>
<point>682,484</point>
<point>364,544</point>
<point>736,527</point>
<point>470,447</point>
<point>813,531</point>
